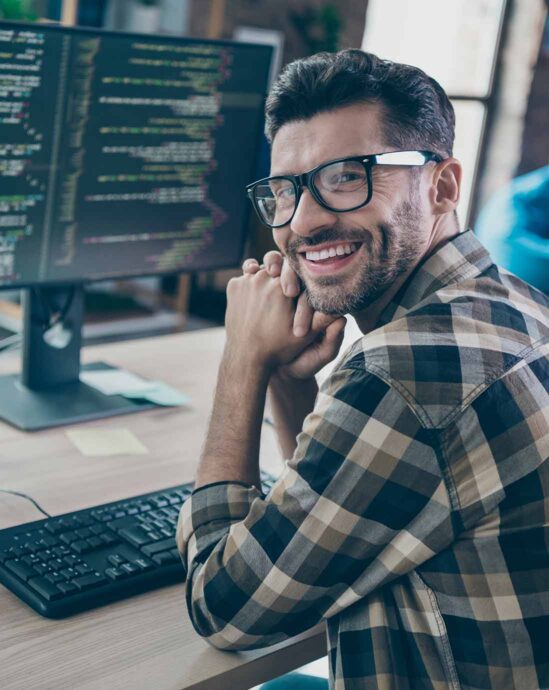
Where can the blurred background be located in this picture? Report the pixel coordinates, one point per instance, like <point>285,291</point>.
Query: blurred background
<point>491,56</point>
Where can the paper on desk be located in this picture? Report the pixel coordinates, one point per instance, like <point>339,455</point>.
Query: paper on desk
<point>160,394</point>
<point>122,382</point>
<point>103,442</point>
<point>114,381</point>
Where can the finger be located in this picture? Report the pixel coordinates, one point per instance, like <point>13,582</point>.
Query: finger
<point>322,321</point>
<point>331,342</point>
<point>250,266</point>
<point>273,263</point>
<point>303,317</point>
<point>289,280</point>
<point>336,330</point>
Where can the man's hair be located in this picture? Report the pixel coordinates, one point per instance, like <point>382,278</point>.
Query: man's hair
<point>417,111</point>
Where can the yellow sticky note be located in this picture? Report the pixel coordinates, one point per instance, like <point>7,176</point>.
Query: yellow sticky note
<point>103,442</point>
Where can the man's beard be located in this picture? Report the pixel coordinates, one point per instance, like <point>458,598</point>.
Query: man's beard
<point>389,252</point>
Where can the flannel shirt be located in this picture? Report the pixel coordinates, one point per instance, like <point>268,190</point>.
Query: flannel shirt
<point>413,516</point>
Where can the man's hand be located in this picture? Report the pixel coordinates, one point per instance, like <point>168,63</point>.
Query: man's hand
<point>328,330</point>
<point>259,322</point>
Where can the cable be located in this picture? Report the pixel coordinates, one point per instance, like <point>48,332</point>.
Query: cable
<point>48,323</point>
<point>17,493</point>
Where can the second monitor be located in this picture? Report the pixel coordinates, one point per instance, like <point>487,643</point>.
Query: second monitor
<point>120,155</point>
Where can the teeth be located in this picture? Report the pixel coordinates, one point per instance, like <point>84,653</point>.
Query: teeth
<point>339,250</point>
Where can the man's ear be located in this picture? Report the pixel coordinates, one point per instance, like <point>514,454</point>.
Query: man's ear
<point>445,186</point>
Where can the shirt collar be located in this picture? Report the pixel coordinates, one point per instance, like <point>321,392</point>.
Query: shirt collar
<point>460,258</point>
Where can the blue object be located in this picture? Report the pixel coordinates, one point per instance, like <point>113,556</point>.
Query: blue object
<point>514,227</point>
<point>296,681</point>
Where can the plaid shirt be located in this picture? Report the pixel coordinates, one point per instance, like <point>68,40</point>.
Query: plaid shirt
<point>413,516</point>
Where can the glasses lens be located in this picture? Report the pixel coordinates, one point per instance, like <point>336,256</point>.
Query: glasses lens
<point>342,185</point>
<point>275,200</point>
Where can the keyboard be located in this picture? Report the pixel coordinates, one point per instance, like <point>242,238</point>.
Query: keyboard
<point>73,562</point>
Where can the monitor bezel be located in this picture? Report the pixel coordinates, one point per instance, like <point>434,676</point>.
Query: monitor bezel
<point>60,28</point>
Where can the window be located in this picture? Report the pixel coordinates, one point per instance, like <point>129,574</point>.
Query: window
<point>456,42</point>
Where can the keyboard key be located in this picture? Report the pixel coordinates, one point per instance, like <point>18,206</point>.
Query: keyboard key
<point>67,588</point>
<point>81,546</point>
<point>68,573</point>
<point>144,564</point>
<point>136,535</point>
<point>54,578</point>
<point>116,559</point>
<point>49,591</point>
<point>87,521</point>
<point>116,573</point>
<point>122,523</point>
<point>31,560</point>
<point>45,554</point>
<point>89,581</point>
<point>130,568</point>
<point>84,569</point>
<point>84,533</point>
<point>20,569</point>
<point>42,568</point>
<point>164,558</point>
<point>60,551</point>
<point>69,537</point>
<point>151,549</point>
<point>95,543</point>
<point>109,539</point>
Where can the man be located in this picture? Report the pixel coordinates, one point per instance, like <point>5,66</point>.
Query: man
<point>411,515</point>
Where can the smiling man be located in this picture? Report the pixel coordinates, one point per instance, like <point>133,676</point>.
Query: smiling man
<point>411,514</point>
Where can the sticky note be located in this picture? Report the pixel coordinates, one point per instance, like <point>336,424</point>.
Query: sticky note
<point>104,442</point>
<point>122,382</point>
<point>114,381</point>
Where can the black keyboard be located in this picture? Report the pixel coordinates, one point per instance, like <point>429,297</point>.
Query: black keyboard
<point>88,558</point>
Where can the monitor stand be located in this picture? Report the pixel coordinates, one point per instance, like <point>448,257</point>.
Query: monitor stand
<point>49,392</point>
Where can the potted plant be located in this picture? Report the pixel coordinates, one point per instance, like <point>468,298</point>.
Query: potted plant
<point>17,10</point>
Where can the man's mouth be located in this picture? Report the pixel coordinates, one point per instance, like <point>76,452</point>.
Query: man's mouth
<point>330,257</point>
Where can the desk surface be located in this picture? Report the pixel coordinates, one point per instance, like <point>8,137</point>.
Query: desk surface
<point>146,641</point>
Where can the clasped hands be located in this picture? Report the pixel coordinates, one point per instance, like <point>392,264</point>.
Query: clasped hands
<point>273,327</point>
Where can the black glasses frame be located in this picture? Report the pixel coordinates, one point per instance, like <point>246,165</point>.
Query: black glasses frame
<point>306,179</point>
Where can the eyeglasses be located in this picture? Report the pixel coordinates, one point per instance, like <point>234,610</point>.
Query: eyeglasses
<point>340,185</point>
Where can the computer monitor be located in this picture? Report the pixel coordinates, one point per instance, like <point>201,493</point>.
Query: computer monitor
<point>120,155</point>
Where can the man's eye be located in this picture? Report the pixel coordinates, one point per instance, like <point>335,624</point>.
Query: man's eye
<point>285,193</point>
<point>344,178</point>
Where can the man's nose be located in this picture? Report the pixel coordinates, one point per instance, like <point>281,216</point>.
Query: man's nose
<point>310,216</point>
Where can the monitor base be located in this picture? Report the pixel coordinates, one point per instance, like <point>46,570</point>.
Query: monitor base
<point>69,403</point>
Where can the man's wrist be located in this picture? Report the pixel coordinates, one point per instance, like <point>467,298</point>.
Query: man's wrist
<point>239,361</point>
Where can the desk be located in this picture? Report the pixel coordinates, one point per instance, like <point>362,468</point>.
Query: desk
<point>145,642</point>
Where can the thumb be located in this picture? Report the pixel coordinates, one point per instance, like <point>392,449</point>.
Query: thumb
<point>335,330</point>
<point>321,321</point>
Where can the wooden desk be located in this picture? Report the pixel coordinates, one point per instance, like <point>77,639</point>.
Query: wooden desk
<point>146,642</point>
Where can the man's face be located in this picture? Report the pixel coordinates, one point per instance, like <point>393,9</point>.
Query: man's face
<point>387,236</point>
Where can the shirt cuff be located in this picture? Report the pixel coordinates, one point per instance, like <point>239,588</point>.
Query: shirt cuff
<point>212,504</point>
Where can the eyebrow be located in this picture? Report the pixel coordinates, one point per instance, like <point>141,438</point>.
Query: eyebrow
<point>328,160</point>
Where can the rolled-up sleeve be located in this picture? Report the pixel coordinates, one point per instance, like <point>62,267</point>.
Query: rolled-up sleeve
<point>362,502</point>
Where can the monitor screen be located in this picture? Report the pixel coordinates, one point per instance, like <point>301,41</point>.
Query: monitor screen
<point>123,155</point>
